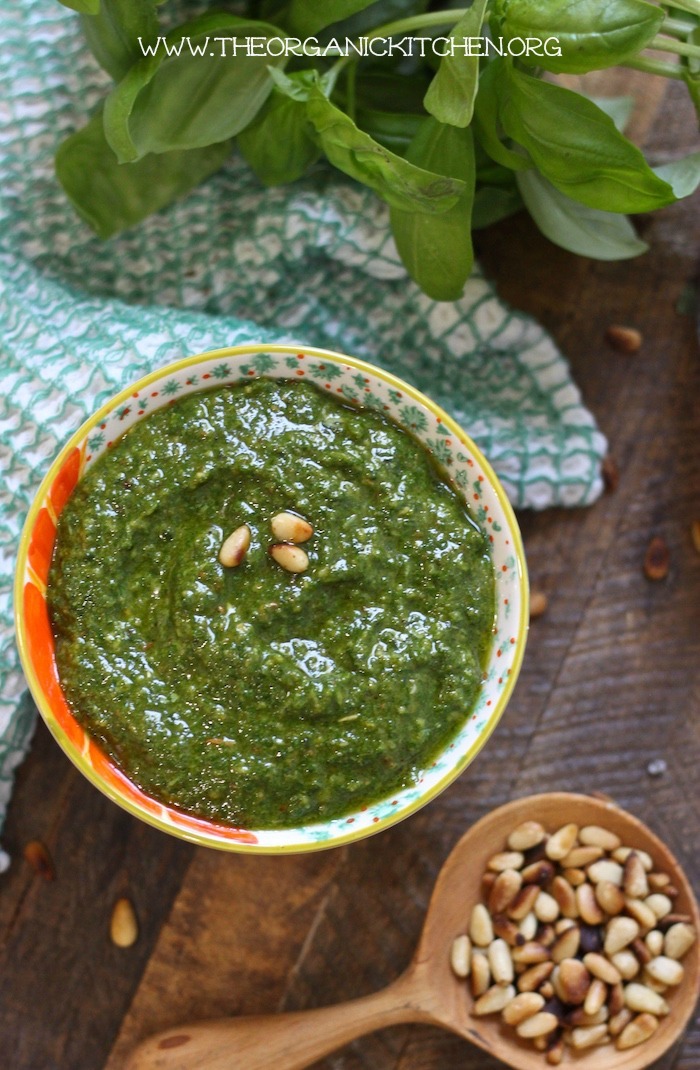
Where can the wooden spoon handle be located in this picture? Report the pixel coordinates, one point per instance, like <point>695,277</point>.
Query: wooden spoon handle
<point>279,1041</point>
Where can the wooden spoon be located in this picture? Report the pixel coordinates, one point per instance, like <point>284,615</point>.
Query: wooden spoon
<point>428,991</point>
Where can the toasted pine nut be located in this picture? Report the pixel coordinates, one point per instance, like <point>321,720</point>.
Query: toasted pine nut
<point>642,913</point>
<point>481,926</point>
<point>235,547</point>
<point>288,527</point>
<point>585,1036</point>
<point>574,980</point>
<point>596,836</point>
<point>538,1025</point>
<point>606,870</point>
<point>503,891</point>
<point>480,973</point>
<point>635,881</point>
<point>494,999</point>
<point>643,999</point>
<point>626,963</point>
<point>567,944</point>
<point>666,970</point>
<point>618,1021</point>
<point>679,939</point>
<point>500,962</point>
<point>655,943</point>
<point>561,842</point>
<point>290,557</point>
<point>637,1031</point>
<point>523,1006</point>
<point>588,906</point>
<point>461,955</point>
<point>595,997</point>
<point>620,933</point>
<point>506,860</point>
<point>659,903</point>
<point>527,834</point>
<point>601,968</point>
<point>546,907</point>
<point>609,897</point>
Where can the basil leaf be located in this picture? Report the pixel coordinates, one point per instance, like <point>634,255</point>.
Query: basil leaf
<point>619,109</point>
<point>399,182</point>
<point>487,125</point>
<point>682,175</point>
<point>392,129</point>
<point>573,226</point>
<point>450,97</point>
<point>278,144</point>
<point>437,250</point>
<point>308,16</point>
<point>187,101</point>
<point>113,33</point>
<point>85,7</point>
<point>591,35</point>
<point>577,147</point>
<point>493,203</point>
<point>110,196</point>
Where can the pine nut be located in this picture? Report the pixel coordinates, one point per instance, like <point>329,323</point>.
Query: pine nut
<point>616,998</point>
<point>601,968</point>
<point>574,876</point>
<point>503,891</point>
<point>574,981</point>
<point>559,844</point>
<point>588,906</point>
<point>481,926</point>
<point>626,963</point>
<point>506,860</point>
<point>500,962</point>
<point>623,853</point>
<point>235,547</point>
<point>595,836</point>
<point>538,1025</point>
<point>528,927</point>
<point>531,979</point>
<point>460,958</point>
<point>606,870</point>
<point>641,913</point>
<point>637,1031</point>
<point>546,908</point>
<point>666,970</point>
<point>123,926</point>
<point>635,881</point>
<point>290,557</point>
<point>620,933</point>
<point>507,930</point>
<point>595,997</point>
<point>678,939</point>
<point>494,999</point>
<point>523,1006</point>
<point>288,527</point>
<point>641,998</point>
<point>527,834</point>
<point>540,872</point>
<point>659,903</point>
<point>567,944</point>
<point>609,897</point>
<point>565,897</point>
<point>655,943</point>
<point>579,857</point>
<point>586,1036</point>
<point>617,1022</point>
<point>530,953</point>
<point>523,902</point>
<point>480,977</point>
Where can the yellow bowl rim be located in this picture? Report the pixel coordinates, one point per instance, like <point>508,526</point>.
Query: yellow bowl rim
<point>209,839</point>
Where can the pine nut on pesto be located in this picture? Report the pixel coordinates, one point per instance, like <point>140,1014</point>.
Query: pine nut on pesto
<point>254,695</point>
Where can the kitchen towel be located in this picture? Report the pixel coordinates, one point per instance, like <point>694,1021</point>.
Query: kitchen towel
<point>313,262</point>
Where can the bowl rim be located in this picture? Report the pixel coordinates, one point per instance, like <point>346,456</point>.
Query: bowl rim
<point>212,837</point>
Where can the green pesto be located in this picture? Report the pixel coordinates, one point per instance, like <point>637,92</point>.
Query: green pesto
<point>251,695</point>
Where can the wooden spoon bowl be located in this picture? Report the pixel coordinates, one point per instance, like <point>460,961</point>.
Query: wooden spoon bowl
<point>428,991</point>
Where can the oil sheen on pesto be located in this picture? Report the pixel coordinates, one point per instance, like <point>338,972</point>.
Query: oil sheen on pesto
<point>253,695</point>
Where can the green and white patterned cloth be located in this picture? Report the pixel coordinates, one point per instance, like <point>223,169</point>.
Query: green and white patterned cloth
<point>233,263</point>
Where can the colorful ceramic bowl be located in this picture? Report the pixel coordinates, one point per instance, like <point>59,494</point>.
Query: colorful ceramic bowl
<point>358,383</point>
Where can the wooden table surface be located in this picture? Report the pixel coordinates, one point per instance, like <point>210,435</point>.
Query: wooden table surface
<point>608,700</point>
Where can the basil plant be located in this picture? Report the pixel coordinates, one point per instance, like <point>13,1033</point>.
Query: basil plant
<point>454,116</point>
